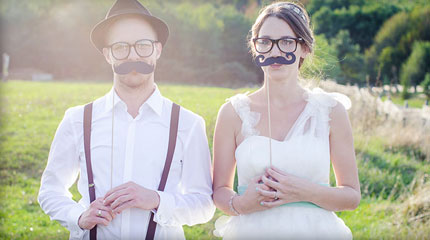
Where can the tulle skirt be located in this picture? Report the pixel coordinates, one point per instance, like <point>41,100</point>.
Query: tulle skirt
<point>293,221</point>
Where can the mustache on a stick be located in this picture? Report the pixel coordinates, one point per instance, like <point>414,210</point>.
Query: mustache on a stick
<point>288,60</point>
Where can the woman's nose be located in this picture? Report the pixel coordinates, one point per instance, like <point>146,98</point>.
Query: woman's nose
<point>275,51</point>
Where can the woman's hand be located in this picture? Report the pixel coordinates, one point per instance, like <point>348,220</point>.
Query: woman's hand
<point>284,188</point>
<point>251,200</point>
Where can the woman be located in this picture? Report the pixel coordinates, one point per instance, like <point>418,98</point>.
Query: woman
<point>282,138</point>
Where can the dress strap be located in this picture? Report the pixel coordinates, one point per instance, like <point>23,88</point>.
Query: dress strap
<point>321,105</point>
<point>241,104</point>
<point>328,100</point>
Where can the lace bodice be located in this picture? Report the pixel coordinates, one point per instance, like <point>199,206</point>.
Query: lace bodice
<point>241,104</point>
<point>305,151</point>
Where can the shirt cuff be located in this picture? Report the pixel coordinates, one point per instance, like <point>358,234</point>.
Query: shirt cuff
<point>165,208</point>
<point>75,212</point>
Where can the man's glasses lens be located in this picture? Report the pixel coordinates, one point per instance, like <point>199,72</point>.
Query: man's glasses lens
<point>120,50</point>
<point>143,48</point>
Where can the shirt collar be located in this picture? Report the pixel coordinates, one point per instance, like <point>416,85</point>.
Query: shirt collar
<point>108,100</point>
<point>155,101</point>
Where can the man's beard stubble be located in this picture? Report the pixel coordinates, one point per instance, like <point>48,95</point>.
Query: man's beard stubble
<point>134,74</point>
<point>134,80</point>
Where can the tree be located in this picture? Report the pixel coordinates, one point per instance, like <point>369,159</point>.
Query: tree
<point>323,63</point>
<point>415,68</point>
<point>315,5</point>
<point>426,86</point>
<point>350,59</point>
<point>361,20</point>
<point>393,43</point>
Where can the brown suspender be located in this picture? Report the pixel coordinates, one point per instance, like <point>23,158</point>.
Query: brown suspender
<point>174,120</point>
<point>88,112</point>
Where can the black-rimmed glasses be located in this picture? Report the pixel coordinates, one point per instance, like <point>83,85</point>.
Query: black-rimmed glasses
<point>143,48</point>
<point>285,45</point>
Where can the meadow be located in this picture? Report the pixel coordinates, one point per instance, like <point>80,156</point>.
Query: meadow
<point>414,102</point>
<point>394,175</point>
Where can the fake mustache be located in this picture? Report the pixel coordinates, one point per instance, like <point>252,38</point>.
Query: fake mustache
<point>261,62</point>
<point>138,66</point>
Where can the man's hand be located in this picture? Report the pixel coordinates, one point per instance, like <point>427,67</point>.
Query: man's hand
<point>131,195</point>
<point>97,213</point>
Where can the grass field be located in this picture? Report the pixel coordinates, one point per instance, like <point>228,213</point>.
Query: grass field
<point>394,180</point>
<point>414,102</point>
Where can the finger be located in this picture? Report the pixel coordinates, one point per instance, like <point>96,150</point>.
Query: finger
<point>123,206</point>
<point>94,220</point>
<point>276,175</point>
<point>112,197</point>
<point>113,192</point>
<point>108,209</point>
<point>270,194</point>
<point>272,204</point>
<point>267,199</point>
<point>271,183</point>
<point>278,170</point>
<point>96,202</point>
<point>99,220</point>
<point>121,200</point>
<point>256,179</point>
<point>264,187</point>
<point>261,185</point>
<point>263,203</point>
<point>104,215</point>
<point>117,188</point>
<point>101,206</point>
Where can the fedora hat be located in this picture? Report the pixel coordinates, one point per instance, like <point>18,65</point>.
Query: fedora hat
<point>123,8</point>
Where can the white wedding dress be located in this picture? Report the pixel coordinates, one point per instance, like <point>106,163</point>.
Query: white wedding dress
<point>305,153</point>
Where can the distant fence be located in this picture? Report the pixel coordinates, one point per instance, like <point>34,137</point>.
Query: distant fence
<point>419,118</point>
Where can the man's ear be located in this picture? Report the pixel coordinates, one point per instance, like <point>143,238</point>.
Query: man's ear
<point>106,54</point>
<point>158,49</point>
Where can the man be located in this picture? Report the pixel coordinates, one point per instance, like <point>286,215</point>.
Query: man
<point>121,156</point>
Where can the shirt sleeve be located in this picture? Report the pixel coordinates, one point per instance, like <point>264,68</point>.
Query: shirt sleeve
<point>60,173</point>
<point>194,204</point>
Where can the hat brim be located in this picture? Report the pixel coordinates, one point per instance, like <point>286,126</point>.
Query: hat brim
<point>98,33</point>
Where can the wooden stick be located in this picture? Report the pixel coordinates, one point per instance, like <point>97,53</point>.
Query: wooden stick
<point>269,120</point>
<point>111,152</point>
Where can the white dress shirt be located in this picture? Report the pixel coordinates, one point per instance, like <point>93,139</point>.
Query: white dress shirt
<point>140,148</point>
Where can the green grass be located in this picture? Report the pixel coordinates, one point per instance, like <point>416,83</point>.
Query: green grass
<point>31,112</point>
<point>413,102</point>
